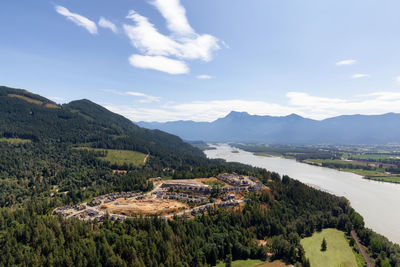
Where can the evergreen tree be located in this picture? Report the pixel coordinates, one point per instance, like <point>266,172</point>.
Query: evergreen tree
<point>323,245</point>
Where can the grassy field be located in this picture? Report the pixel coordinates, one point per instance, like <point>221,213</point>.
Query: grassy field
<point>370,156</point>
<point>365,172</point>
<point>242,263</point>
<point>263,154</point>
<point>388,179</point>
<point>15,141</point>
<point>253,263</point>
<point>338,253</point>
<point>121,157</point>
<point>214,183</point>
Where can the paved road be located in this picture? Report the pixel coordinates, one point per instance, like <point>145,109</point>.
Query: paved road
<point>367,259</point>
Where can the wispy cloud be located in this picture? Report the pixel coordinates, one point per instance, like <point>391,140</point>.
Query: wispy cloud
<point>108,25</point>
<point>397,79</point>
<point>159,63</point>
<point>144,98</point>
<point>183,44</point>
<point>79,20</point>
<point>297,102</point>
<point>359,75</point>
<point>346,62</point>
<point>204,77</point>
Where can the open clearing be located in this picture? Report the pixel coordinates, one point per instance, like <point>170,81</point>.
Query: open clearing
<point>15,141</point>
<point>389,179</point>
<point>121,157</point>
<point>214,182</point>
<point>253,263</point>
<point>339,253</point>
<point>143,206</point>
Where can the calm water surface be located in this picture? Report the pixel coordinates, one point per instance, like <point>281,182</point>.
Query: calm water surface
<point>377,202</point>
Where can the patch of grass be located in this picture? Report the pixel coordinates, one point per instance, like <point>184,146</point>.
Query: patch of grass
<point>214,183</point>
<point>338,252</point>
<point>263,154</point>
<point>15,141</point>
<point>372,156</point>
<point>364,172</point>
<point>242,263</point>
<point>120,157</point>
<point>27,99</point>
<point>49,105</point>
<point>388,179</point>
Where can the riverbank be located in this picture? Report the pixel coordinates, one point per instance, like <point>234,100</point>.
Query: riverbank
<point>373,200</point>
<point>373,175</point>
<point>379,176</point>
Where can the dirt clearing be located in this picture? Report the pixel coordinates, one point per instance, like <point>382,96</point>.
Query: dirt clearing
<point>143,206</point>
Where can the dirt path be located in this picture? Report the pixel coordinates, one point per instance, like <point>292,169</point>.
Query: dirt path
<point>367,259</point>
<point>145,158</point>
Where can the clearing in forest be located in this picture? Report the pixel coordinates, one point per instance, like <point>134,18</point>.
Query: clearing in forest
<point>120,157</point>
<point>253,263</point>
<point>15,141</point>
<point>132,206</point>
<point>338,252</point>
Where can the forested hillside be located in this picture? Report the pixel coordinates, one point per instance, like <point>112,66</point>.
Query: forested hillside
<point>43,165</point>
<point>49,163</point>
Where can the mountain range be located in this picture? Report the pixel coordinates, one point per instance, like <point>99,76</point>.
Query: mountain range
<point>291,129</point>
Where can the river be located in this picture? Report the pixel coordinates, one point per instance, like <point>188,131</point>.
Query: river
<point>375,201</point>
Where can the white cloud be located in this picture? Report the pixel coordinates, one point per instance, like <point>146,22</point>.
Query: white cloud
<point>79,20</point>
<point>397,79</point>
<point>346,62</point>
<point>359,75</point>
<point>159,63</point>
<point>199,110</point>
<point>108,25</point>
<point>298,102</point>
<point>184,43</point>
<point>145,98</point>
<point>175,15</point>
<point>146,38</point>
<point>204,77</point>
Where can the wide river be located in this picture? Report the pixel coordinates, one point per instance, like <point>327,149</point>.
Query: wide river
<point>377,202</point>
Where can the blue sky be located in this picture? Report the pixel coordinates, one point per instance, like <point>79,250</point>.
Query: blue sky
<point>161,60</point>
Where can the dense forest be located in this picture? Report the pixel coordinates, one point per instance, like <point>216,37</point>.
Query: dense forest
<point>46,171</point>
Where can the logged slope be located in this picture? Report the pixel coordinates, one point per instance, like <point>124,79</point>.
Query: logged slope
<point>292,129</point>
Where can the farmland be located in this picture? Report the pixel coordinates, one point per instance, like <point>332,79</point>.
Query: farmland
<point>379,163</point>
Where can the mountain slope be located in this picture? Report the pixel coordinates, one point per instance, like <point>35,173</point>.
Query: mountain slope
<point>292,129</point>
<point>30,116</point>
<point>50,159</point>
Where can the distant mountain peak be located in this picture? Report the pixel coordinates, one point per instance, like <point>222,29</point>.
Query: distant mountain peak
<point>294,116</point>
<point>237,114</point>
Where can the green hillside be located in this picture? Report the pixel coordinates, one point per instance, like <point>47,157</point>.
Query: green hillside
<point>42,167</point>
<point>38,138</point>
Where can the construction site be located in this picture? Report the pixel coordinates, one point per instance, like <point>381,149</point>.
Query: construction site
<point>168,198</point>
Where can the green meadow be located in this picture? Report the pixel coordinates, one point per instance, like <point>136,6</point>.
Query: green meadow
<point>338,253</point>
<point>120,157</point>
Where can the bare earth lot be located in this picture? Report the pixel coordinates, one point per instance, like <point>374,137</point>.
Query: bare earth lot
<point>143,206</point>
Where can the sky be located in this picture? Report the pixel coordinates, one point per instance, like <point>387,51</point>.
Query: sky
<point>166,60</point>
